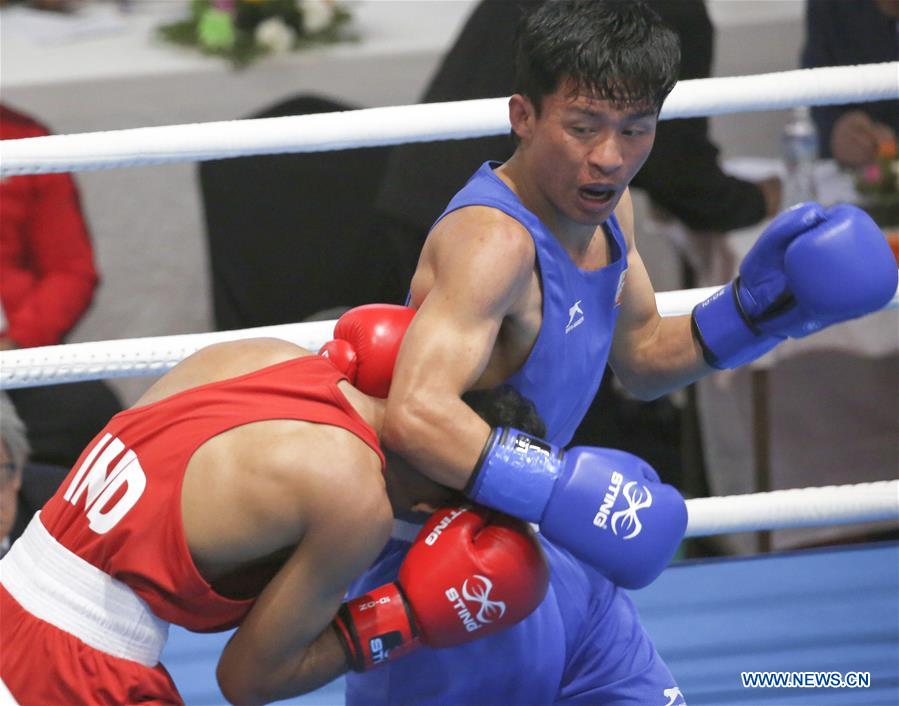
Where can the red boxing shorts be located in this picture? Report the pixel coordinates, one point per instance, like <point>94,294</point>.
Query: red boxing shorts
<point>74,635</point>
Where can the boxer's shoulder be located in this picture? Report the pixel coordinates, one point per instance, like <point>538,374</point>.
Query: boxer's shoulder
<point>234,358</point>
<point>221,361</point>
<point>481,223</point>
<point>481,243</point>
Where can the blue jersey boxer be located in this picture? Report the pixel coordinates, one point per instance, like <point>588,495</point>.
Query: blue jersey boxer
<point>584,644</point>
<point>565,366</point>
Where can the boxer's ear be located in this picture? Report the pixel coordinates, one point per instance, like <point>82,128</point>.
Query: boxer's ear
<point>522,116</point>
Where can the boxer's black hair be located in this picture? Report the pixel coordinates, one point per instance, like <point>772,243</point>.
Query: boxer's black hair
<point>615,50</point>
<point>504,406</point>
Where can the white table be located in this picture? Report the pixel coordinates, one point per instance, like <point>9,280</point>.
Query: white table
<point>816,411</point>
<point>103,70</point>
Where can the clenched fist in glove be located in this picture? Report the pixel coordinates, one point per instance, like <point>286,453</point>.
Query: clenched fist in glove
<point>366,342</point>
<point>470,573</point>
<point>812,267</point>
<point>605,506</point>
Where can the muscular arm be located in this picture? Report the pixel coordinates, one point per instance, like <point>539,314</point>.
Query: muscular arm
<point>285,646</point>
<point>477,264</point>
<point>651,355</point>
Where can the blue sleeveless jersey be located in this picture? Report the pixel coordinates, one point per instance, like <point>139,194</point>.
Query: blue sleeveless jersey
<point>565,366</point>
<point>582,646</point>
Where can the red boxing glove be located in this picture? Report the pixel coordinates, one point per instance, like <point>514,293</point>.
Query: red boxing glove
<point>471,572</point>
<point>342,356</point>
<point>367,340</point>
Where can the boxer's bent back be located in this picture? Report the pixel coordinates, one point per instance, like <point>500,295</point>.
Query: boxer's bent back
<point>166,518</point>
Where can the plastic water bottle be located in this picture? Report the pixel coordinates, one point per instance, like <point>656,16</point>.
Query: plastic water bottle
<point>800,150</point>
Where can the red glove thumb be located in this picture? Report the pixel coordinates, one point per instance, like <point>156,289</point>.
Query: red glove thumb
<point>374,333</point>
<point>342,357</point>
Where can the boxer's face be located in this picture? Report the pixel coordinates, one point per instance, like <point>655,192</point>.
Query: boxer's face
<point>582,152</point>
<point>10,482</point>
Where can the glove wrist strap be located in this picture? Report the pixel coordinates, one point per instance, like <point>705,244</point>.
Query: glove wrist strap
<point>515,474</point>
<point>342,356</point>
<point>376,627</point>
<point>727,337</point>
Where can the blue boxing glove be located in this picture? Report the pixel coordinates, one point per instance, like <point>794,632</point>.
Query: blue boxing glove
<point>606,507</point>
<point>810,268</point>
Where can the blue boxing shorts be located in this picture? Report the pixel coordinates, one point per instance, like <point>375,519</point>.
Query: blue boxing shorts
<point>584,646</point>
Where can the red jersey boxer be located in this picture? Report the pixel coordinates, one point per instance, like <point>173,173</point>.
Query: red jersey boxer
<point>244,488</point>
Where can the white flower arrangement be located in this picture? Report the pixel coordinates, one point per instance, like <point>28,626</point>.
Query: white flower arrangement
<point>275,35</point>
<point>243,30</point>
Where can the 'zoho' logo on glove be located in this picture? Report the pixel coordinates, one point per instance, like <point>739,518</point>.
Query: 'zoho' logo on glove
<point>478,593</point>
<point>624,520</point>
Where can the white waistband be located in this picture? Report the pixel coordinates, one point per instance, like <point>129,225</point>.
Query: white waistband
<point>61,588</point>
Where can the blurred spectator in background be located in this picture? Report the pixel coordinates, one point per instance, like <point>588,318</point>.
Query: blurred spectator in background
<point>303,233</point>
<point>421,178</point>
<point>24,486</point>
<point>846,33</point>
<point>47,281</point>
<point>682,174</point>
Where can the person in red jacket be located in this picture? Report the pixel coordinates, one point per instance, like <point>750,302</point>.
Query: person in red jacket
<point>47,281</point>
<point>47,261</point>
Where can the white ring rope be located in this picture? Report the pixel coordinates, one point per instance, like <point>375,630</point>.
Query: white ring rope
<point>137,357</point>
<point>419,123</point>
<point>781,509</point>
<point>806,507</point>
<point>803,507</point>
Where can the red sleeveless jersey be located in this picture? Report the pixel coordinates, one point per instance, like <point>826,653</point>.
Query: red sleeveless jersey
<point>120,506</point>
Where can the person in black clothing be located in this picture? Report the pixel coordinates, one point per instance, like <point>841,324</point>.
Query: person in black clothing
<point>843,34</point>
<point>421,178</point>
<point>682,174</point>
